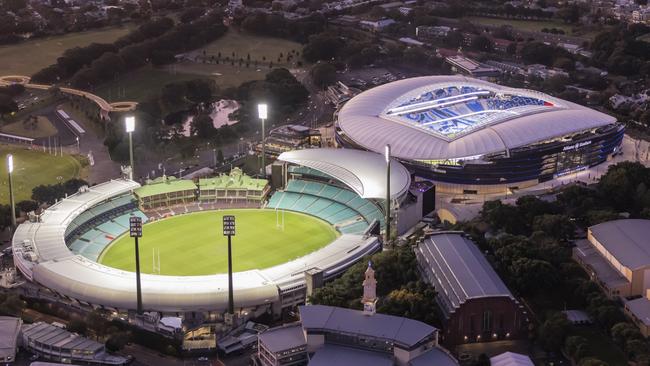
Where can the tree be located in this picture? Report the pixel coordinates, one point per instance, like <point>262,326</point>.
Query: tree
<point>531,275</point>
<point>77,326</point>
<point>323,74</point>
<point>12,305</point>
<point>202,126</point>
<point>481,43</point>
<point>553,331</point>
<point>117,341</point>
<point>557,226</point>
<point>220,156</point>
<point>7,105</point>
<point>27,206</point>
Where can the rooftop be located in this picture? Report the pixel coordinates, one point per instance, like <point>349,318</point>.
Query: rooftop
<point>403,331</point>
<point>283,338</point>
<point>590,256</point>
<point>511,359</point>
<point>235,180</point>
<point>164,184</point>
<point>355,168</point>
<point>329,355</point>
<point>627,240</point>
<point>454,117</point>
<point>640,308</point>
<point>459,271</point>
<point>9,331</point>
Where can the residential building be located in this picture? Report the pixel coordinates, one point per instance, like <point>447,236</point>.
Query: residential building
<point>470,67</point>
<point>376,25</point>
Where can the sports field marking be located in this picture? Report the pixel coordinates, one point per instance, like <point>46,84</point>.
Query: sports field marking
<point>193,244</point>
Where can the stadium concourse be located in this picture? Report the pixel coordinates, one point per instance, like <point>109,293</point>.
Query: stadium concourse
<point>472,137</point>
<point>59,248</point>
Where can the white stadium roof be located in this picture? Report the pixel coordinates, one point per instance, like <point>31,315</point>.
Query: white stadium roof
<point>41,254</point>
<point>374,118</point>
<point>363,171</point>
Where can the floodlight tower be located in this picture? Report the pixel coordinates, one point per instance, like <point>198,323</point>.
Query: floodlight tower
<point>262,111</point>
<point>10,170</point>
<point>130,127</point>
<point>387,231</point>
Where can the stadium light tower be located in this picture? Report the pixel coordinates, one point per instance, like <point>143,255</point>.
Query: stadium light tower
<point>387,231</point>
<point>262,111</point>
<point>130,127</point>
<point>10,170</point>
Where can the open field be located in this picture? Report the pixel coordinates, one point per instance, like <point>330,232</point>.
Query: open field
<point>41,128</point>
<point>530,25</point>
<point>193,244</point>
<point>33,168</point>
<point>147,81</point>
<point>243,44</point>
<point>28,57</point>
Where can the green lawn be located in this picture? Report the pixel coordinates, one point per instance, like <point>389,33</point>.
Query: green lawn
<point>26,58</point>
<point>148,81</point>
<point>193,244</point>
<point>42,127</point>
<point>244,44</point>
<point>33,168</point>
<point>532,25</point>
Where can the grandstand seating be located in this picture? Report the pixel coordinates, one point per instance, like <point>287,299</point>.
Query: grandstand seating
<point>89,233</point>
<point>340,207</point>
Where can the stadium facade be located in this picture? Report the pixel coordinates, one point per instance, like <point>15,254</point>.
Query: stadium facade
<point>59,249</point>
<point>472,136</point>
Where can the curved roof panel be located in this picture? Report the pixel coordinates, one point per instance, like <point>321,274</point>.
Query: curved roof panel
<point>371,118</point>
<point>363,171</point>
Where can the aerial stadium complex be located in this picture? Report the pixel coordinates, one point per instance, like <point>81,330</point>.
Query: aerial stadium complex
<point>472,136</point>
<point>319,220</point>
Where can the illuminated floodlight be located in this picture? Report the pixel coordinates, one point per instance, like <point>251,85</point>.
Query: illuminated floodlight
<point>130,123</point>
<point>10,163</point>
<point>262,110</point>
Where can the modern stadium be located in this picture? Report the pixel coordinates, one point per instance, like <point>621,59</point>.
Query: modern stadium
<point>318,219</point>
<point>471,136</point>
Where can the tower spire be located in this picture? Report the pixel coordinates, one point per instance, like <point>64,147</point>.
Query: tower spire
<point>369,299</point>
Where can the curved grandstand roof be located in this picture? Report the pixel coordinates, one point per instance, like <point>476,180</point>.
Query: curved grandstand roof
<point>41,254</point>
<point>363,171</point>
<point>450,117</point>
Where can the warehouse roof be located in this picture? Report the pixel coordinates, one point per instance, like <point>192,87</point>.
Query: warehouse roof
<point>627,240</point>
<point>458,270</point>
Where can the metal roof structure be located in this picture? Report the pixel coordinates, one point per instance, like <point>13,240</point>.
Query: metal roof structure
<point>398,114</point>
<point>640,308</point>
<point>41,254</point>
<point>626,240</point>
<point>434,356</point>
<point>402,331</point>
<point>329,354</point>
<point>9,331</point>
<point>458,270</point>
<point>511,359</point>
<point>283,338</point>
<point>362,171</point>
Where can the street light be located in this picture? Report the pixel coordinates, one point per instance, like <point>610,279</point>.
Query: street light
<point>130,127</point>
<point>10,170</point>
<point>262,111</point>
<point>387,231</point>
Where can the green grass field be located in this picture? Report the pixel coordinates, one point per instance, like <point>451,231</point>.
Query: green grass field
<point>146,81</point>
<point>193,244</point>
<point>533,25</point>
<point>26,58</point>
<point>33,168</point>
